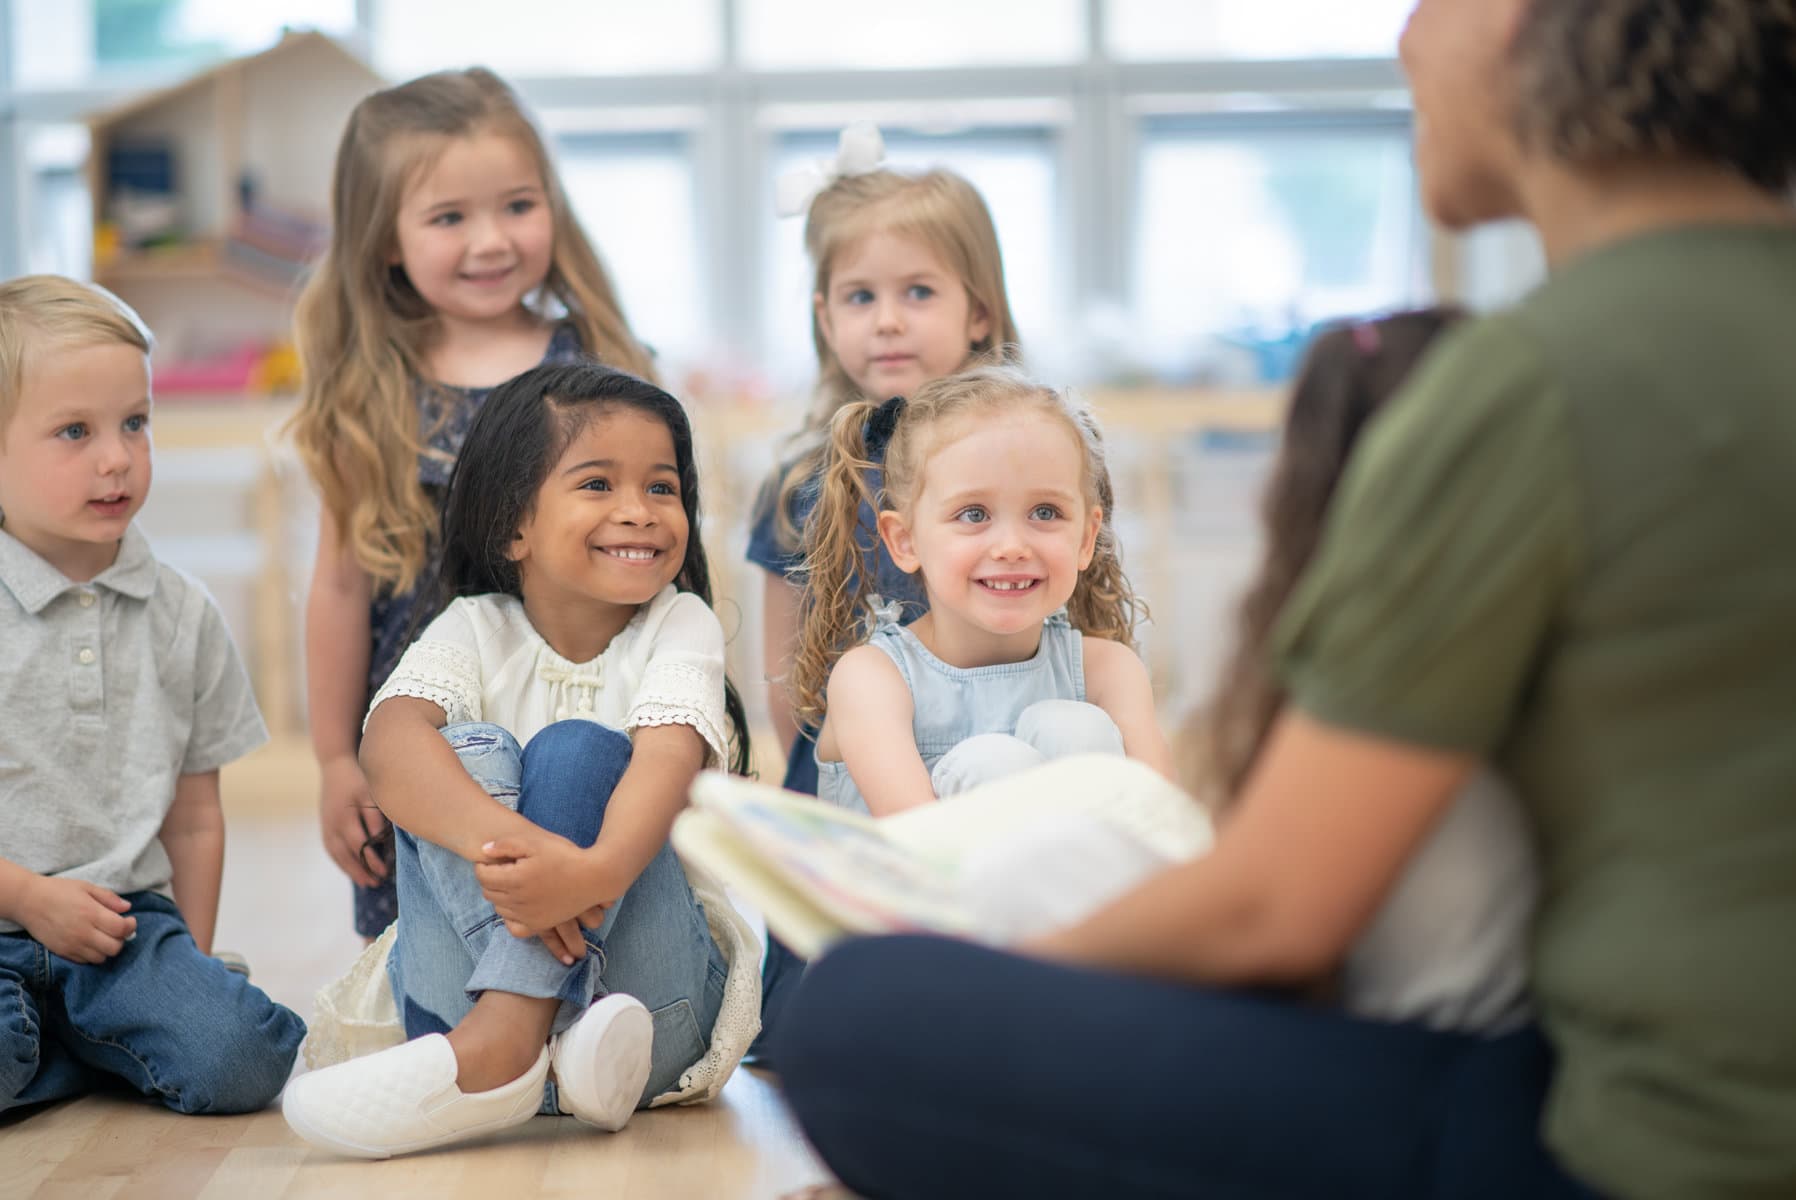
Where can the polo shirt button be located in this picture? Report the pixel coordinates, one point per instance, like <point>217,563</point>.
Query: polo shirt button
<point>87,599</point>
<point>85,658</point>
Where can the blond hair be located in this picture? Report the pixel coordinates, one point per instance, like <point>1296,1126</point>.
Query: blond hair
<point>362,328</point>
<point>40,311</point>
<point>937,208</point>
<point>838,561</point>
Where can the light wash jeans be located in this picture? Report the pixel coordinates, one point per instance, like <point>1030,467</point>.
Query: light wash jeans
<point>174,1024</point>
<point>1046,729</point>
<point>654,943</point>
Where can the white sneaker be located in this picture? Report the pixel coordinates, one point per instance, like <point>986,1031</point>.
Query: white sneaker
<point>602,1061</point>
<point>404,1099</point>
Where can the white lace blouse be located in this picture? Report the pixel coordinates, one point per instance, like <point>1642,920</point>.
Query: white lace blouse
<point>482,660</point>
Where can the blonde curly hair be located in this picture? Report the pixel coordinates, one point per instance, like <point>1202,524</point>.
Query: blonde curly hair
<point>838,564</point>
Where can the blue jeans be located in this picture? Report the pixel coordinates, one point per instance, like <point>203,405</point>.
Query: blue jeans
<point>1026,1078</point>
<point>653,945</point>
<point>172,1023</point>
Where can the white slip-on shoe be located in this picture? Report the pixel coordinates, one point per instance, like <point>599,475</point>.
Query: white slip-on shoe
<point>404,1099</point>
<point>602,1061</point>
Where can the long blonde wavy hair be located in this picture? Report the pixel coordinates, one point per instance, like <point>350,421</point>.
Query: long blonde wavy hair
<point>362,328</point>
<point>838,561</point>
<point>939,209</point>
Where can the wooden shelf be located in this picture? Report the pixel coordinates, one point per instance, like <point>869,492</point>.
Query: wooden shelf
<point>199,262</point>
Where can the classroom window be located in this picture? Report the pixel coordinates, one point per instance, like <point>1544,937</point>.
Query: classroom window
<point>1016,172</point>
<point>634,197</point>
<point>548,37</point>
<point>69,43</point>
<point>1244,239</point>
<point>828,34</point>
<point>1165,30</point>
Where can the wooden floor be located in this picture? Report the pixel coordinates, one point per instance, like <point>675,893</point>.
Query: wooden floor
<point>286,908</point>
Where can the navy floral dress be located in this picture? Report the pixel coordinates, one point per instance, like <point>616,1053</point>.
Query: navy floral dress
<point>444,414</point>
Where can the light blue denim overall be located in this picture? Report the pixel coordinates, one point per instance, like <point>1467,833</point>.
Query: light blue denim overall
<point>977,724</point>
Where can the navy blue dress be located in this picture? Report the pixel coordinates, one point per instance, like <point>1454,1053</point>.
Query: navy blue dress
<point>444,414</point>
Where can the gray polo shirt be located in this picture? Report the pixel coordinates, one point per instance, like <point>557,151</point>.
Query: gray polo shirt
<point>109,691</point>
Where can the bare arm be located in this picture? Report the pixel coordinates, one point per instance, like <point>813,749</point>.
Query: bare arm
<point>869,729</point>
<point>337,647</point>
<point>1324,826</point>
<point>1116,680</point>
<point>193,834</point>
<point>539,880</point>
<point>421,785</point>
<point>779,640</point>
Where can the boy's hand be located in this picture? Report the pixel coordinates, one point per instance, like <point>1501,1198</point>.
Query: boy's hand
<point>538,880</point>
<point>80,921</point>
<point>347,818</point>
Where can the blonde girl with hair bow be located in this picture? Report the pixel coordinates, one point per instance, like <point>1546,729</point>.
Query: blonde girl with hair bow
<point>908,287</point>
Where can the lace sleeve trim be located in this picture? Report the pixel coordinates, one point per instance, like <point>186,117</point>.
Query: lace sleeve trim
<point>444,673</point>
<point>681,693</point>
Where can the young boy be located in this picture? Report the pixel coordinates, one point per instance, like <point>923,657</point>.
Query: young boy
<point>121,698</point>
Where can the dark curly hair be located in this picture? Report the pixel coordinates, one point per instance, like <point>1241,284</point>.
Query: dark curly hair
<point>1709,80</point>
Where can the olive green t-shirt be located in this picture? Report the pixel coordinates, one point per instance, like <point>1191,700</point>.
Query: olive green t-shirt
<point>1570,548</point>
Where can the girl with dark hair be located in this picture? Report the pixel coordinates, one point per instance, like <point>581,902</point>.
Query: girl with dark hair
<point>1564,553</point>
<point>1447,946</point>
<point>532,749</point>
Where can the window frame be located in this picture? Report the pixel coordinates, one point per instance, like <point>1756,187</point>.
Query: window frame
<point>1098,154</point>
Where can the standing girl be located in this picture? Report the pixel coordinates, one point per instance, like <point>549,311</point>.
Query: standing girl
<point>909,286</point>
<point>455,263</point>
<point>997,496</point>
<point>533,747</point>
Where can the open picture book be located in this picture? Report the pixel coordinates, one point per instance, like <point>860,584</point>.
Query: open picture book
<point>999,863</point>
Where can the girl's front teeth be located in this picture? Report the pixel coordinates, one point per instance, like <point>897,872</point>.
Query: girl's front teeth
<point>633,555</point>
<point>998,585</point>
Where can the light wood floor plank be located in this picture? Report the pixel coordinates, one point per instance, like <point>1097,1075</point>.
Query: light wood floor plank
<point>287,910</point>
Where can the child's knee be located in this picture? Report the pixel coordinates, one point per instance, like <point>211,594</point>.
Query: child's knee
<point>238,1061</point>
<point>490,755</point>
<point>20,1048</point>
<point>1059,728</point>
<point>578,745</point>
<point>982,758</point>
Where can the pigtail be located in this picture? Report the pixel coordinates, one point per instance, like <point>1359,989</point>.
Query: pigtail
<point>1103,603</point>
<point>838,564</point>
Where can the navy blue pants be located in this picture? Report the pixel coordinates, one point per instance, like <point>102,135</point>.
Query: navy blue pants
<point>925,1067</point>
<point>782,969</point>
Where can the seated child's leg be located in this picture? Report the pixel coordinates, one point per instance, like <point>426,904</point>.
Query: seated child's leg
<point>981,759</point>
<point>34,1069</point>
<point>438,892</point>
<point>658,948</point>
<point>175,1024</point>
<point>1059,728</point>
<point>655,943</point>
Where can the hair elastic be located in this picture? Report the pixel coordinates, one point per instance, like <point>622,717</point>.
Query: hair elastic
<point>880,427</point>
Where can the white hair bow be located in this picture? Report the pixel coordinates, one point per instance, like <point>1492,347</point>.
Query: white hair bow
<point>859,150</point>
